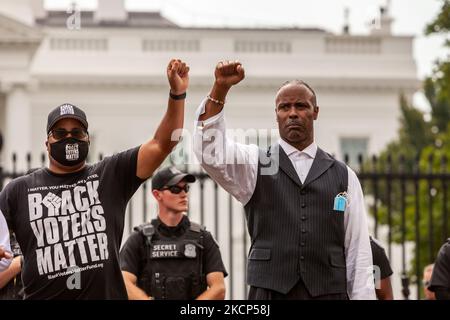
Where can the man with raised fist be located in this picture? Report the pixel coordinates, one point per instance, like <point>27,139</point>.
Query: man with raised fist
<point>69,218</point>
<point>305,210</point>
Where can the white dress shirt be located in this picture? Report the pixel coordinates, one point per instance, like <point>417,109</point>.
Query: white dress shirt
<point>234,167</point>
<point>4,242</point>
<point>301,160</point>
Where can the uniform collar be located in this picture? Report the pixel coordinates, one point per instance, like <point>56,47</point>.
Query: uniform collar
<point>290,150</point>
<point>178,230</point>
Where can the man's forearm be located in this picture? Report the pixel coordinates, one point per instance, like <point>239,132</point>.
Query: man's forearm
<point>213,293</point>
<point>13,270</point>
<point>5,258</point>
<point>385,291</point>
<point>173,120</point>
<point>212,108</point>
<point>178,77</point>
<point>134,292</point>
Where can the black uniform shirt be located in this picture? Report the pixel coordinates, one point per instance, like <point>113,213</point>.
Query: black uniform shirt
<point>133,250</point>
<point>441,271</point>
<point>380,258</point>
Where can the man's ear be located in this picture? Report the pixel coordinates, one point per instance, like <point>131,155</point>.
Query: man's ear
<point>156,194</point>
<point>316,112</point>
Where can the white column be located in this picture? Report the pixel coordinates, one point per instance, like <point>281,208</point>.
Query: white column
<point>37,6</point>
<point>19,10</point>
<point>17,133</point>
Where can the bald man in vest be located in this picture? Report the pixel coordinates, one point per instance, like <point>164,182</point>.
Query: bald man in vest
<point>305,210</point>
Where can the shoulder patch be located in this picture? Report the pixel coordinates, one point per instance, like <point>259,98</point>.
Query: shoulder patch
<point>147,230</point>
<point>141,227</point>
<point>196,227</point>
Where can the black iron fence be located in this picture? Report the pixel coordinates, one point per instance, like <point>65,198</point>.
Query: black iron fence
<point>407,199</point>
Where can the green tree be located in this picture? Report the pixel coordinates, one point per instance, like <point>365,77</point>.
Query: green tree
<point>421,146</point>
<point>437,87</point>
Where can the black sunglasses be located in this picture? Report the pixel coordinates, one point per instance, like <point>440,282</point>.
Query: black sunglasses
<point>177,189</point>
<point>60,133</point>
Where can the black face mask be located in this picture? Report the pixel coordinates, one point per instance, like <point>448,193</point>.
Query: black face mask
<point>69,151</point>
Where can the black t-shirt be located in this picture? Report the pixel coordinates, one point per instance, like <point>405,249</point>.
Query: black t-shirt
<point>441,271</point>
<point>380,259</point>
<point>70,227</point>
<point>133,250</point>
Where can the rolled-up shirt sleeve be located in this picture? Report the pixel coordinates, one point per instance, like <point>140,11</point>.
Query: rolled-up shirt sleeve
<point>4,242</point>
<point>360,280</point>
<point>232,165</point>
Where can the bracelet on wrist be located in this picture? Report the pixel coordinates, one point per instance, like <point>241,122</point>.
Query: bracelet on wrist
<point>215,100</point>
<point>177,96</point>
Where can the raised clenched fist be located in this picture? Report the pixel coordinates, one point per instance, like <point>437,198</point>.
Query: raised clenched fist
<point>178,76</point>
<point>229,73</point>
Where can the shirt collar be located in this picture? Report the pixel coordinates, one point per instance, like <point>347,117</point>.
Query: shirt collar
<point>290,150</point>
<point>177,230</point>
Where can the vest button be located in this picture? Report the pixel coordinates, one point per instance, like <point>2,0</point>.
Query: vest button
<point>302,244</point>
<point>302,258</point>
<point>303,205</point>
<point>303,230</point>
<point>303,192</point>
<point>303,217</point>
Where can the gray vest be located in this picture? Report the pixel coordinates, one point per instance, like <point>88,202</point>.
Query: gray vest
<point>294,230</point>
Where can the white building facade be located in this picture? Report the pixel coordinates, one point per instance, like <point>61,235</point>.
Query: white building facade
<point>112,64</point>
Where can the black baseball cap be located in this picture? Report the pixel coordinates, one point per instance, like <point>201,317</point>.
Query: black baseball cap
<point>65,111</point>
<point>170,176</point>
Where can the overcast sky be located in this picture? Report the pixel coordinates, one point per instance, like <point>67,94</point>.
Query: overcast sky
<point>410,16</point>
